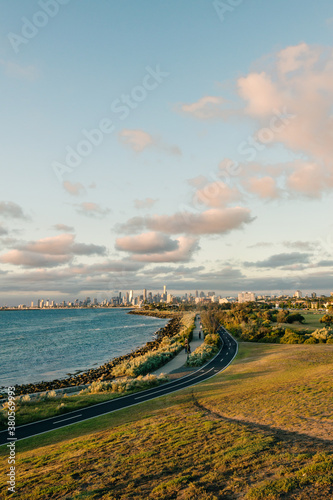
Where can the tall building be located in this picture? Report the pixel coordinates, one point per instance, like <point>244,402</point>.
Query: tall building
<point>196,294</point>
<point>164,290</point>
<point>144,294</point>
<point>130,297</point>
<point>246,297</point>
<point>298,294</point>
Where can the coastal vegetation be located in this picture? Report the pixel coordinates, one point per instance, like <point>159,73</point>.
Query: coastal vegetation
<point>205,351</point>
<point>260,430</point>
<point>167,349</point>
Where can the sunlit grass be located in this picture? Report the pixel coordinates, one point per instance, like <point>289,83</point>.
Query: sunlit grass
<point>260,430</point>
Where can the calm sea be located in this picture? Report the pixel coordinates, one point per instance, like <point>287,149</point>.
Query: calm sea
<point>49,344</point>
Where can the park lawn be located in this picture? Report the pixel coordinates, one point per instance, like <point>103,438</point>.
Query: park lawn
<point>311,323</point>
<point>262,429</point>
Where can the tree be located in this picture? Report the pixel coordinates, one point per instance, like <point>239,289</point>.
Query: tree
<point>327,319</point>
<point>282,316</point>
<point>292,318</point>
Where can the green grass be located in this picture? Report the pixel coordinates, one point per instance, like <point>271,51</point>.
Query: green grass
<point>311,323</point>
<point>39,409</point>
<point>260,430</point>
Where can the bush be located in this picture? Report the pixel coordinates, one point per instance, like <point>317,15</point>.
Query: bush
<point>310,340</point>
<point>291,337</point>
<point>212,339</point>
<point>202,354</point>
<point>323,334</point>
<point>125,384</point>
<point>292,318</point>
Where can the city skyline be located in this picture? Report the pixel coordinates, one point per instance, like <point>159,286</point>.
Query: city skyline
<point>132,157</point>
<point>136,298</point>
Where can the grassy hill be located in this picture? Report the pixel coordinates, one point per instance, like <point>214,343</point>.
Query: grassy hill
<point>260,430</point>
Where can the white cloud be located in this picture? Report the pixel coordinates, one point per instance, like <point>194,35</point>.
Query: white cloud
<point>63,228</point>
<point>152,242</point>
<point>138,140</point>
<point>216,194</point>
<point>207,108</point>
<point>183,253</point>
<point>49,252</point>
<point>264,187</point>
<point>299,86</point>
<point>213,221</point>
<point>74,189</point>
<point>11,210</point>
<point>91,209</point>
<point>146,203</point>
<point>14,70</point>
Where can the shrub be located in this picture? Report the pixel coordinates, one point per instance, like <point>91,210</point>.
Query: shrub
<point>51,394</point>
<point>23,400</point>
<point>323,334</point>
<point>125,384</point>
<point>202,354</point>
<point>291,337</point>
<point>213,339</point>
<point>310,340</point>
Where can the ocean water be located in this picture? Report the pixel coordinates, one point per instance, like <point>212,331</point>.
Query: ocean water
<point>41,345</point>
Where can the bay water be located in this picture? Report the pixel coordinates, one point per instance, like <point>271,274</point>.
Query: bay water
<point>42,345</point>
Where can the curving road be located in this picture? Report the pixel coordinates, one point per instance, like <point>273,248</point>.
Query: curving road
<point>224,357</point>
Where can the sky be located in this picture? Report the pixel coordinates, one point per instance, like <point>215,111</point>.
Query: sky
<point>150,143</point>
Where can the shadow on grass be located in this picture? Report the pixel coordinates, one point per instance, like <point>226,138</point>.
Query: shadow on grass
<point>278,434</point>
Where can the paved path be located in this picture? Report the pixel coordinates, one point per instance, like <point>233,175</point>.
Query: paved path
<point>180,360</point>
<point>223,359</point>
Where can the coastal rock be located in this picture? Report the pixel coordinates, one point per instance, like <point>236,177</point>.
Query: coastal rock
<point>93,374</point>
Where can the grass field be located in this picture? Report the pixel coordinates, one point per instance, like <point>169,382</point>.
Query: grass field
<point>260,430</point>
<point>311,323</point>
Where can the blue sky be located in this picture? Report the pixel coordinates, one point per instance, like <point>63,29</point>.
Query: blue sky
<point>174,190</point>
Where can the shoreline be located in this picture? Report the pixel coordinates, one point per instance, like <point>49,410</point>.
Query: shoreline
<point>16,309</point>
<point>104,371</point>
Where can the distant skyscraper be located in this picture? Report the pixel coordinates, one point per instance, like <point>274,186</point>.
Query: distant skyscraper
<point>144,294</point>
<point>164,290</point>
<point>130,298</point>
<point>196,294</point>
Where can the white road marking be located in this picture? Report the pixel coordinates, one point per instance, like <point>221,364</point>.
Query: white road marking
<point>69,418</point>
<point>181,383</point>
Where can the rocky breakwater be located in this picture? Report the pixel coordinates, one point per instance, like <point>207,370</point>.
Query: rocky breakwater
<point>104,372</point>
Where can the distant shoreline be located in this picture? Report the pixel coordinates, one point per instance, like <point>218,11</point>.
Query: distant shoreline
<point>2,309</point>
